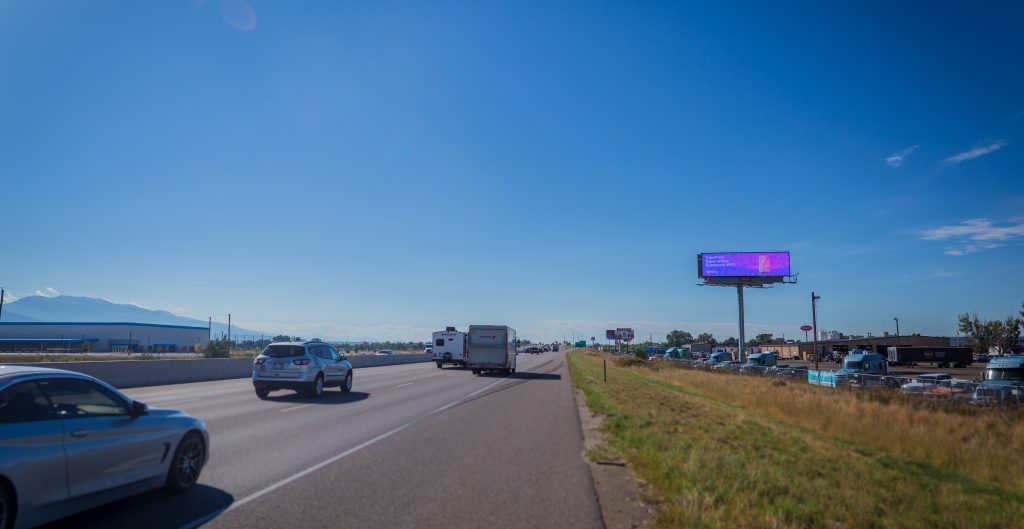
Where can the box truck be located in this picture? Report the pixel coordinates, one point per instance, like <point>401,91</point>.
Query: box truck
<point>491,348</point>
<point>449,347</point>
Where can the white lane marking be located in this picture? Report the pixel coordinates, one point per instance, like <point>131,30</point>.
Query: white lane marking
<point>451,374</point>
<point>298,475</point>
<point>406,384</point>
<point>297,407</point>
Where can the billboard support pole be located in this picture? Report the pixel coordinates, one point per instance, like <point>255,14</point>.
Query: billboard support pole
<point>814,323</point>
<point>739,296</point>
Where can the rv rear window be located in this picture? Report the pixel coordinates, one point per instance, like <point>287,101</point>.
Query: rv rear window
<point>439,342</point>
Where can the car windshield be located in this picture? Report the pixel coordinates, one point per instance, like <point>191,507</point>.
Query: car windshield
<point>1005,374</point>
<point>284,351</point>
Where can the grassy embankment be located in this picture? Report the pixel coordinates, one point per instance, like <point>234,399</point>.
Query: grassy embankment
<point>724,451</point>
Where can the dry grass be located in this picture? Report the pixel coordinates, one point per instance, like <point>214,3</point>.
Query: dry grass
<point>725,451</point>
<point>977,442</point>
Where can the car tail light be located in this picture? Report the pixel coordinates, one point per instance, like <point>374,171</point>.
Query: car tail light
<point>260,360</point>
<point>303,362</point>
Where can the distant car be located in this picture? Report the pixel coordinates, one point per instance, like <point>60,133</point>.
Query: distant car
<point>384,352</point>
<point>730,365</point>
<point>790,372</point>
<point>926,382</point>
<point>304,367</point>
<point>955,388</point>
<point>72,442</point>
<point>428,350</point>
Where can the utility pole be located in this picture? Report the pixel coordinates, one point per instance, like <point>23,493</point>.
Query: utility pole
<point>897,331</point>
<point>1,302</point>
<point>229,328</point>
<point>209,330</point>
<point>814,323</point>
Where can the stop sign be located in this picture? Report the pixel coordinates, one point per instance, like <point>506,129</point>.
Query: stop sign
<point>806,328</point>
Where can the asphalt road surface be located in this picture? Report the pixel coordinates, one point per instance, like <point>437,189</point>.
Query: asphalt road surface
<point>411,446</point>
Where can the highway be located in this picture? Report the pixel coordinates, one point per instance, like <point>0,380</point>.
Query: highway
<point>411,446</point>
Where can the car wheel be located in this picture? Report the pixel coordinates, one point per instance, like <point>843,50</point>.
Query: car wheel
<point>346,386</point>
<point>439,365</point>
<point>317,388</point>
<point>187,463</point>
<point>262,392</point>
<point>476,371</point>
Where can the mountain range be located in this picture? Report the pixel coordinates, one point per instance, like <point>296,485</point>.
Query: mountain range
<point>86,309</point>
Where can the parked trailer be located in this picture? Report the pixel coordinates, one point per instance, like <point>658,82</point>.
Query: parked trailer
<point>491,348</point>
<point>940,356</point>
<point>449,347</point>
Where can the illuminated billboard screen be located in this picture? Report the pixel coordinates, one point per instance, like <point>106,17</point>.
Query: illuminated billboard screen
<point>744,264</point>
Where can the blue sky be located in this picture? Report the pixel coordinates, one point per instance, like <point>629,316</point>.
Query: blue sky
<point>377,168</point>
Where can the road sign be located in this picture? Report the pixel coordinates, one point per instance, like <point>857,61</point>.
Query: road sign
<point>581,343</point>
<point>806,328</point>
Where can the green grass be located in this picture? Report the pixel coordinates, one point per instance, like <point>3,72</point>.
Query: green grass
<point>716,463</point>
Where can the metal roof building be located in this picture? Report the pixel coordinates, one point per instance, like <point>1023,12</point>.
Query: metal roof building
<point>99,337</point>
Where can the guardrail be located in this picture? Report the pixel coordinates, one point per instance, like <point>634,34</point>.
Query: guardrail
<point>136,373</point>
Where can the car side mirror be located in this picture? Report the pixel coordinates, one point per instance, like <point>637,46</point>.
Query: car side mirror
<point>138,408</point>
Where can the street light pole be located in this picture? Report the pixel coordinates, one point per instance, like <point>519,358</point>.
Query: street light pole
<point>897,331</point>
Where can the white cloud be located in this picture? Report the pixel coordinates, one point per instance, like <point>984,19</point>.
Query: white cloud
<point>975,235</point>
<point>975,153</point>
<point>8,297</point>
<point>897,159</point>
<point>48,292</point>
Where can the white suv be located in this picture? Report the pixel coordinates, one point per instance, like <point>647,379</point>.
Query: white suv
<point>306,367</point>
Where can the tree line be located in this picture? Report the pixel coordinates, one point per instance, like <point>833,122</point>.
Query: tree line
<point>1002,335</point>
<point>679,338</point>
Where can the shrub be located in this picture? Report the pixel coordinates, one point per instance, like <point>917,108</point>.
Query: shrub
<point>217,349</point>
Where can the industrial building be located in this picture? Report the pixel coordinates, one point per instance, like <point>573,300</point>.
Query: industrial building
<point>100,337</point>
<point>875,344</point>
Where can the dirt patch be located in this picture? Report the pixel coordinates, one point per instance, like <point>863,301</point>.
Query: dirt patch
<point>618,493</point>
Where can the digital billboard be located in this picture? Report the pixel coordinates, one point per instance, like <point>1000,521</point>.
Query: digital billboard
<point>744,264</point>
<point>609,334</point>
<point>624,334</point>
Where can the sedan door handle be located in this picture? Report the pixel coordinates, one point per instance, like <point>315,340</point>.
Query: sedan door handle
<point>81,432</point>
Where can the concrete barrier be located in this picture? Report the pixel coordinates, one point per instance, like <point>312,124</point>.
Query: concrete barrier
<point>136,373</point>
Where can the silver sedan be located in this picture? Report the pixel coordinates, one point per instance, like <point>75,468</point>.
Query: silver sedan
<point>70,442</point>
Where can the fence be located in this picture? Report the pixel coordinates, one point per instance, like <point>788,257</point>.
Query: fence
<point>921,385</point>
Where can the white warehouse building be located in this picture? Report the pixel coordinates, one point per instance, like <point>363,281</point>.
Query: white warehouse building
<point>100,337</point>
